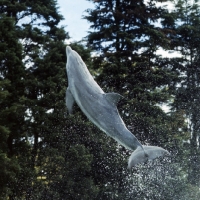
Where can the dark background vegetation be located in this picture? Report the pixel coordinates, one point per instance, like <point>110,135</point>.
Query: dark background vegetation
<point>47,154</point>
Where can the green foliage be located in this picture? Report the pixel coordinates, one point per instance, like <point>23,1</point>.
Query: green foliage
<point>126,36</point>
<point>76,178</point>
<point>187,94</point>
<point>8,165</point>
<point>47,154</point>
<point>11,111</point>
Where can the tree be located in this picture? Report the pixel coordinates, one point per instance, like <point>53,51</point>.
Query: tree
<point>126,36</point>
<point>38,146</point>
<point>11,91</point>
<point>187,93</point>
<point>127,39</point>
<point>33,74</point>
<point>37,154</point>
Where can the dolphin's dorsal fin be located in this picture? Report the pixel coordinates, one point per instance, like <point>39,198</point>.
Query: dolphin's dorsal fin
<point>113,98</point>
<point>69,101</point>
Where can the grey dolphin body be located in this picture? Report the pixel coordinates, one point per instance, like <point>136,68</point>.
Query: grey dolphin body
<point>99,107</point>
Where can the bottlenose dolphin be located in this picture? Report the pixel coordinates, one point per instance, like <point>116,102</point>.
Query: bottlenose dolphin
<point>99,107</point>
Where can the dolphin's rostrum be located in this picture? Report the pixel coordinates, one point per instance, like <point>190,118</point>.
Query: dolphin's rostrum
<point>99,107</point>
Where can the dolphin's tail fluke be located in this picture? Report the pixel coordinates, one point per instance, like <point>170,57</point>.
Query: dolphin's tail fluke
<point>147,153</point>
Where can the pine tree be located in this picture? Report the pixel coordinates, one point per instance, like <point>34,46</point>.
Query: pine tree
<point>12,72</point>
<point>8,165</point>
<point>187,93</point>
<point>34,128</point>
<point>126,36</point>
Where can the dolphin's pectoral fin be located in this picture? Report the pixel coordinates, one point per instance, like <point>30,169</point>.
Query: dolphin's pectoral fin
<point>113,98</point>
<point>69,100</point>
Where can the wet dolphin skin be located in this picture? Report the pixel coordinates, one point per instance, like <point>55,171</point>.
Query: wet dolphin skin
<point>101,109</point>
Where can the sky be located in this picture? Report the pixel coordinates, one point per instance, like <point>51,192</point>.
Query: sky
<point>73,11</point>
